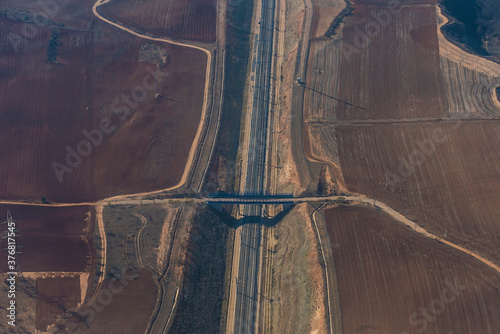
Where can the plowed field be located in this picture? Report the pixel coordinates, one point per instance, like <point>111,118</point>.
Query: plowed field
<point>190,19</point>
<point>391,280</point>
<point>52,239</point>
<point>84,123</point>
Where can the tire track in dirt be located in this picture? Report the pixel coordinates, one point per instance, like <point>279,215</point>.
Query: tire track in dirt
<point>417,229</point>
<point>138,239</point>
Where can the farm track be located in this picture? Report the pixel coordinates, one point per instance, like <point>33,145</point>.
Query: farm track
<point>208,53</point>
<point>102,234</point>
<point>182,20</point>
<point>162,284</point>
<point>99,204</point>
<point>172,310</point>
<point>124,237</point>
<point>381,261</point>
<point>352,199</point>
<point>446,119</point>
<point>480,108</point>
<point>355,200</point>
<point>327,279</point>
<point>138,239</point>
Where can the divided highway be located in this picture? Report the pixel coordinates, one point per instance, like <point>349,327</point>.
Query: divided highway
<point>246,305</point>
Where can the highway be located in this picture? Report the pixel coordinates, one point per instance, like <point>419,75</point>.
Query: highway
<point>246,305</point>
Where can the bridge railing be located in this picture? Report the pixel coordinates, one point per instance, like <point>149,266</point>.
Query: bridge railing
<point>250,195</point>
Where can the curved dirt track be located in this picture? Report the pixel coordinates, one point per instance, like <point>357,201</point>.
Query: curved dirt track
<point>205,97</point>
<point>327,280</point>
<point>416,228</point>
<point>350,198</point>
<point>124,199</point>
<point>138,239</point>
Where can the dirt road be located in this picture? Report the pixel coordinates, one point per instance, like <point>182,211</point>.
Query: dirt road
<point>205,98</point>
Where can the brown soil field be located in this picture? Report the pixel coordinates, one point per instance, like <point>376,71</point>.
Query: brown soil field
<point>72,14</point>
<point>52,239</point>
<point>323,70</point>
<point>55,296</point>
<point>451,188</point>
<point>391,280</point>
<point>126,309</point>
<point>192,20</point>
<point>101,81</point>
<point>469,91</point>
<point>401,83</point>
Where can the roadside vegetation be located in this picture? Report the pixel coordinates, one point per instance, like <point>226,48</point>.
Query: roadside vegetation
<point>200,306</point>
<point>239,17</point>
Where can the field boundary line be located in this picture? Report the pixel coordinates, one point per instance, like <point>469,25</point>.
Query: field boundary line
<point>326,266</point>
<point>138,238</point>
<point>416,228</point>
<point>50,204</point>
<point>171,310</point>
<point>102,234</point>
<point>195,144</point>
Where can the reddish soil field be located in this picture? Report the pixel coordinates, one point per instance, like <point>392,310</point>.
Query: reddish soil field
<point>54,297</point>
<point>391,280</point>
<point>391,70</point>
<point>127,311</point>
<point>52,239</point>
<point>186,19</point>
<point>452,187</point>
<point>95,83</point>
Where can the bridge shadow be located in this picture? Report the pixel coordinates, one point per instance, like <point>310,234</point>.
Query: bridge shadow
<point>224,212</point>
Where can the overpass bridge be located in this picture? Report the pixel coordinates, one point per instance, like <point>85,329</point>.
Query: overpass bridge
<point>213,199</point>
<point>256,201</point>
<point>250,199</point>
